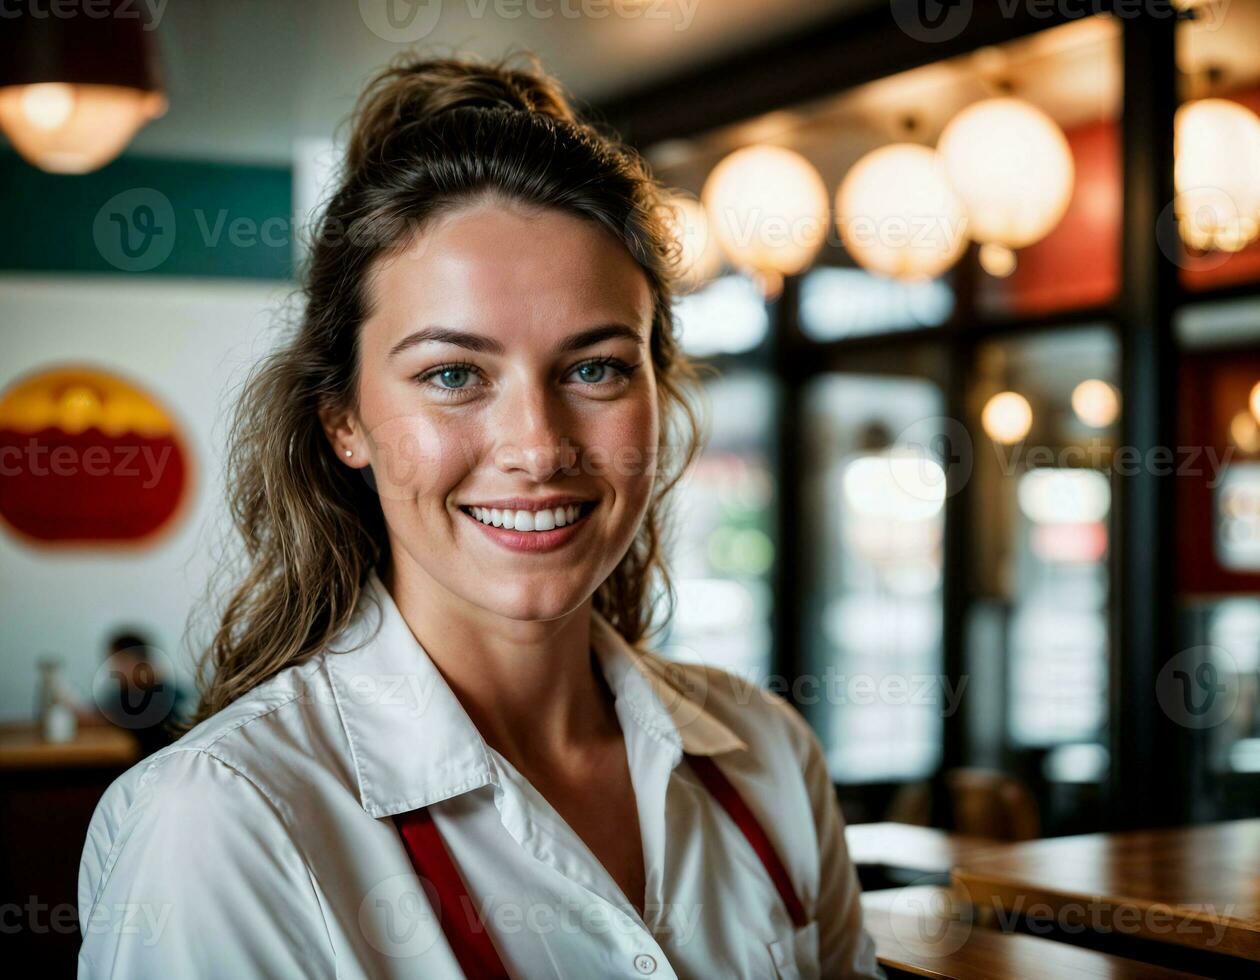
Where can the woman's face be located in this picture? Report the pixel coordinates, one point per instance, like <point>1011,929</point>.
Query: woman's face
<point>507,406</point>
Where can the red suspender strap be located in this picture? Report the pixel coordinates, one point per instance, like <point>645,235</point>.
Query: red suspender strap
<point>717,784</point>
<point>478,959</point>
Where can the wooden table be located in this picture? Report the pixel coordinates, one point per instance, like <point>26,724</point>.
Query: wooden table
<point>925,932</point>
<point>1195,886</point>
<point>48,792</point>
<point>21,748</point>
<point>924,850</point>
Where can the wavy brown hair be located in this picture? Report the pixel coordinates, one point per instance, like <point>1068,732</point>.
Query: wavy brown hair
<point>428,136</point>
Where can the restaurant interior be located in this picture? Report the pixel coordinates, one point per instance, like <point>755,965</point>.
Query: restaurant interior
<point>975,288</point>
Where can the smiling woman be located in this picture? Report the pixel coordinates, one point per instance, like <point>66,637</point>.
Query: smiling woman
<point>451,486</point>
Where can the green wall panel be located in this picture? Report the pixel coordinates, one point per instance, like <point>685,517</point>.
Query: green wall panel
<point>144,216</point>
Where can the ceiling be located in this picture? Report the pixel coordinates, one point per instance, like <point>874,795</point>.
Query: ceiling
<point>246,80</point>
<point>253,80</point>
<point>1074,72</point>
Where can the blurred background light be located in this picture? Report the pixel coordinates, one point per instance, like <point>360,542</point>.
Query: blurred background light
<point>997,260</point>
<point>74,129</point>
<point>1245,432</point>
<point>768,207</point>
<point>839,303</point>
<point>901,486</point>
<point>1077,762</point>
<point>1237,506</point>
<point>1012,167</point>
<point>1096,403</point>
<point>1007,417</point>
<point>1064,496</point>
<point>898,214</point>
<point>1217,174</point>
<point>727,316</point>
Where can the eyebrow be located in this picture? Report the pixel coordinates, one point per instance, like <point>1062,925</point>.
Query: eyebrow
<point>487,345</point>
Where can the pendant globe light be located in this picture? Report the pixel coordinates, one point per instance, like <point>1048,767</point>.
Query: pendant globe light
<point>767,206</point>
<point>1012,167</point>
<point>74,90</point>
<point>898,215</point>
<point>1217,174</point>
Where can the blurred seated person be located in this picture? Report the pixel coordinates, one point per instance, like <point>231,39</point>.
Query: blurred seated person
<point>136,690</point>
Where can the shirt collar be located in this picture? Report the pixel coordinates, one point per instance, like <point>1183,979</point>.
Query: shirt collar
<point>411,741</point>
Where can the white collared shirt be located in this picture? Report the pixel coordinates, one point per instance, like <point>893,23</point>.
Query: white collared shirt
<point>261,843</point>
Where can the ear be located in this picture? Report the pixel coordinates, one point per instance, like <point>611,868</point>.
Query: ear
<point>345,435</point>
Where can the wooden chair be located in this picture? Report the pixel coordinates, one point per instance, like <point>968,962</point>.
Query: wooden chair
<point>992,804</point>
<point>984,803</point>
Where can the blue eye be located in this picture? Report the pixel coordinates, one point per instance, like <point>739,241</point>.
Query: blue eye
<point>592,372</point>
<point>453,377</point>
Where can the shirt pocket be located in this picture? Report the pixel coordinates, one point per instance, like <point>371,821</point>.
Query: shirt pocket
<point>795,954</point>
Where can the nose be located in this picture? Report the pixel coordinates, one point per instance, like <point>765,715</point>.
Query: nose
<point>532,435</point>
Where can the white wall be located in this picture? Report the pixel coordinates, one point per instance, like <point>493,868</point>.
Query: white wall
<point>188,342</point>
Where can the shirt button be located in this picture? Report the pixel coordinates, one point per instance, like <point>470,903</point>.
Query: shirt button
<point>645,963</point>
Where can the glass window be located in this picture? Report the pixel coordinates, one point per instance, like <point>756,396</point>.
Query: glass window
<point>1236,510</point>
<point>1218,498</point>
<point>875,494</point>
<point>1058,628</point>
<point>723,552</point>
<point>728,316</point>
<point>1211,686</point>
<point>839,303</point>
<point>1045,413</point>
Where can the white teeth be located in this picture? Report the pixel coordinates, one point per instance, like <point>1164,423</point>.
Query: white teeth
<point>527,520</point>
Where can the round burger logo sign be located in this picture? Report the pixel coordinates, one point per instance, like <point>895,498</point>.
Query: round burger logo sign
<point>88,458</point>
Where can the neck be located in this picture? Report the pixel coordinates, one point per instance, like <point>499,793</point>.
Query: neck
<point>533,689</point>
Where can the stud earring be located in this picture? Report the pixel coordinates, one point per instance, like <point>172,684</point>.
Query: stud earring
<point>349,452</point>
